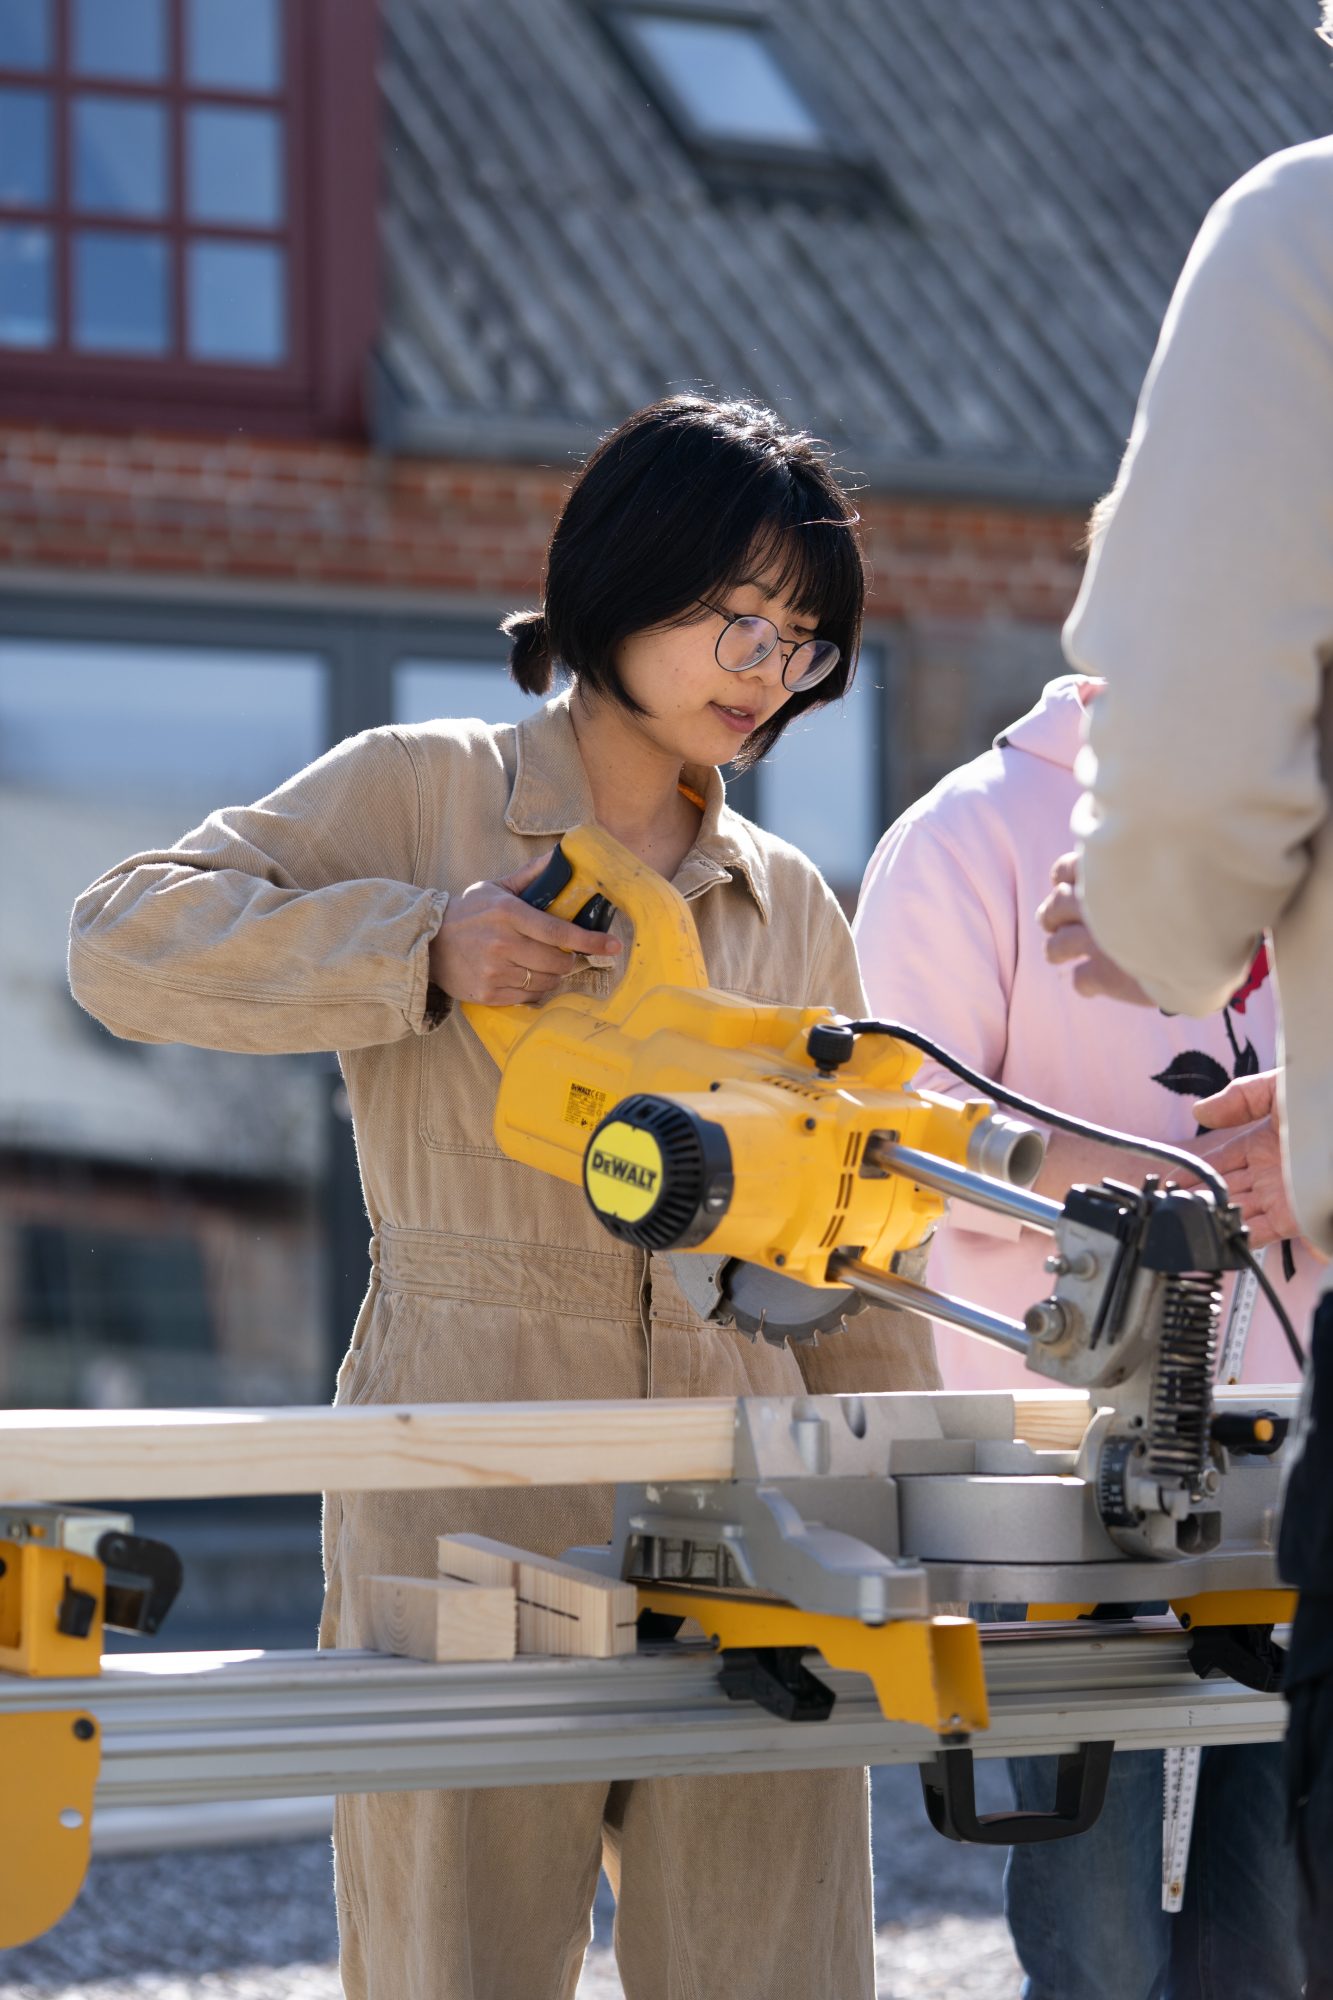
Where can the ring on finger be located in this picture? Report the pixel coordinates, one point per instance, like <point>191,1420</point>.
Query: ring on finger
<point>527,979</point>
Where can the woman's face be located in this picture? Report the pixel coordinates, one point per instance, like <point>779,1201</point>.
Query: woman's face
<point>695,710</point>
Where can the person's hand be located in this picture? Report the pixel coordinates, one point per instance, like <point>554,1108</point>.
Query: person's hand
<point>1070,942</point>
<point>1247,1152</point>
<point>494,948</point>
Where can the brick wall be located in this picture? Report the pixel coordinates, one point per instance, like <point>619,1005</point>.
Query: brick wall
<point>327,513</point>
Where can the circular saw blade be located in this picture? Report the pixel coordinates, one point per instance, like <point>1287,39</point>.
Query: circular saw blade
<point>783,1309</point>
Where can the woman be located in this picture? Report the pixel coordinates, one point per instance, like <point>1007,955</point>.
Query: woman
<point>350,910</point>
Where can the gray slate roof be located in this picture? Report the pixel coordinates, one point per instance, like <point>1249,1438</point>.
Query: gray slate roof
<point>555,257</point>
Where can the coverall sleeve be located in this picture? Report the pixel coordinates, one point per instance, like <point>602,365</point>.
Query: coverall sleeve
<point>286,926</point>
<point>880,1347</point>
<point>1208,604</point>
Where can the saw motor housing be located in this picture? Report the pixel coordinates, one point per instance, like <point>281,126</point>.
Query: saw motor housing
<point>698,1120</point>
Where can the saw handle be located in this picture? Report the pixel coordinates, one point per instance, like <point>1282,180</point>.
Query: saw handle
<point>597,914</point>
<point>589,879</point>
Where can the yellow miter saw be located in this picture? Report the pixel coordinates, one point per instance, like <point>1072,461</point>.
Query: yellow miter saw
<point>784,1158</point>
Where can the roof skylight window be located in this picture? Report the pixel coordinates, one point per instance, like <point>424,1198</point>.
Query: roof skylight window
<point>726,78</point>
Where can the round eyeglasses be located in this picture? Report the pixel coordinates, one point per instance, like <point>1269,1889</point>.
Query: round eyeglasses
<point>745,642</point>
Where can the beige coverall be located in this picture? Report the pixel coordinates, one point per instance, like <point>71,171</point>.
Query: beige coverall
<point>303,922</point>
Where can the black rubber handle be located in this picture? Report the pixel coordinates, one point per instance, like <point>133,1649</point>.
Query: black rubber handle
<point>1251,1433</point>
<point>597,914</point>
<point>1080,1791</point>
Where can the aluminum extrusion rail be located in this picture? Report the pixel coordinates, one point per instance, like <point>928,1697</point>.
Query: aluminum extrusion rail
<point>178,1729</point>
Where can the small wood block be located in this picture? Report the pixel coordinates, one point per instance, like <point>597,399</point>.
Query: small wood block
<point>561,1608</point>
<point>423,1618</point>
<point>478,1559</point>
<point>1052,1419</point>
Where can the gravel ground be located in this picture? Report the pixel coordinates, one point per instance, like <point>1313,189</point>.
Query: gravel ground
<point>257,1923</point>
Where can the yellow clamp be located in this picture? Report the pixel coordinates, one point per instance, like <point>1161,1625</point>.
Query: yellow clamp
<point>924,1670</point>
<point>51,1613</point>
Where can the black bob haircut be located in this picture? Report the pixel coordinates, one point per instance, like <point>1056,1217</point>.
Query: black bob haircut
<point>680,503</point>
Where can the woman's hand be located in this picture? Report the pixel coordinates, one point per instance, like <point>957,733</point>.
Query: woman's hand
<point>1070,942</point>
<point>1248,1154</point>
<point>494,948</point>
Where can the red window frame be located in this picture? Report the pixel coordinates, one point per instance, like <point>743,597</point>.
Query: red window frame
<point>328,99</point>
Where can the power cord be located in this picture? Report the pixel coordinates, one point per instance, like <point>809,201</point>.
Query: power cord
<point>1082,1128</point>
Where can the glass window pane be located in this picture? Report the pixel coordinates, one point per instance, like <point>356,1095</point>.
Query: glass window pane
<point>120,156</point>
<point>728,78</point>
<point>820,787</point>
<point>425,690</point>
<point>234,44</point>
<point>120,38</point>
<point>234,166</point>
<point>121,295</point>
<point>27,293</point>
<point>169,1245</point>
<point>25,34</point>
<point>238,306</point>
<point>25,147</point>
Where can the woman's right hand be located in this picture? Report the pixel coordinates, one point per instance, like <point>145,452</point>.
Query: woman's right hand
<point>494,948</point>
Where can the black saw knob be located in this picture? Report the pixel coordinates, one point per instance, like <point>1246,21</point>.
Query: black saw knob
<point>830,1045</point>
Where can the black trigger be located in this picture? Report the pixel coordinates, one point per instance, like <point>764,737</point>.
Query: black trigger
<point>597,914</point>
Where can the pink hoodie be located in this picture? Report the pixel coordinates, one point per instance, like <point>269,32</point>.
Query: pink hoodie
<point>949,943</point>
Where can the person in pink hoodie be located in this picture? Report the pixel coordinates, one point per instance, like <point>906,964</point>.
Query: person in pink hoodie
<point>949,944</point>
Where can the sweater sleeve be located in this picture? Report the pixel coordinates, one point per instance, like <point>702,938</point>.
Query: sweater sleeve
<point>1208,603</point>
<point>286,926</point>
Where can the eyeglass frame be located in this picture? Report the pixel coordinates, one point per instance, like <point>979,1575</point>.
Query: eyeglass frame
<point>793,646</point>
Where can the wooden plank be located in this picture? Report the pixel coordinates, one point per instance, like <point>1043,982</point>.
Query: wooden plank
<point>1052,1419</point>
<point>196,1454</point>
<point>561,1608</point>
<point>431,1618</point>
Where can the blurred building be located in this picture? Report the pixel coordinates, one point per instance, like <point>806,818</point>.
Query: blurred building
<point>306,309</point>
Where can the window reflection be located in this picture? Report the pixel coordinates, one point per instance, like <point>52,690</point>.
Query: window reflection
<point>120,38</point>
<point>120,157</point>
<point>25,34</point>
<point>161,1208</point>
<point>233,44</point>
<point>121,298</point>
<point>25,147</point>
<point>27,293</point>
<point>424,690</point>
<point>237,302</point>
<point>820,787</point>
<point>234,166</point>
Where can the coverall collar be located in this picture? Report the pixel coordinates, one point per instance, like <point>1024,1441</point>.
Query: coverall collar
<point>551,794</point>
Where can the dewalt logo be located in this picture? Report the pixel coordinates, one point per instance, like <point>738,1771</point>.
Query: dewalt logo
<point>623,1171</point>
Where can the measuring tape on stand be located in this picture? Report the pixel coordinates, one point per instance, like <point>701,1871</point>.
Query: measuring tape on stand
<point>1243,1301</point>
<point>1180,1768</point>
<point>1180,1791</point>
